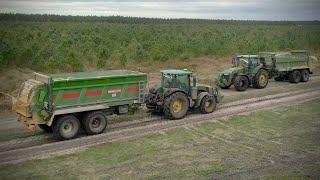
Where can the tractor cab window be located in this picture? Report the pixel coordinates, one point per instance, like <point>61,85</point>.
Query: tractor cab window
<point>254,61</point>
<point>244,63</point>
<point>176,81</point>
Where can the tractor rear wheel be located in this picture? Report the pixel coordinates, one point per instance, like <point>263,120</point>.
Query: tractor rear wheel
<point>176,106</point>
<point>261,79</point>
<point>241,83</point>
<point>66,127</point>
<point>304,75</point>
<point>295,76</point>
<point>208,104</point>
<point>94,122</point>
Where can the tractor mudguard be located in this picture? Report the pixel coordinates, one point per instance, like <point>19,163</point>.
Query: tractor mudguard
<point>173,90</point>
<point>200,97</point>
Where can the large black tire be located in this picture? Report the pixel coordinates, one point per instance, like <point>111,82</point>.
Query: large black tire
<point>45,128</point>
<point>208,104</point>
<point>261,79</point>
<point>176,106</point>
<point>241,83</point>
<point>94,122</point>
<point>304,75</point>
<point>66,127</point>
<point>295,76</point>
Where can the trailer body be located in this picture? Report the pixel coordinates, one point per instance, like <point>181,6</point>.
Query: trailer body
<point>286,61</point>
<point>46,97</point>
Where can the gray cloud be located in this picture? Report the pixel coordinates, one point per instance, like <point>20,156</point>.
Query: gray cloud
<point>214,9</point>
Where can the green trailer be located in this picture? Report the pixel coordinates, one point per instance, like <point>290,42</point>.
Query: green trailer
<point>292,66</point>
<point>62,103</point>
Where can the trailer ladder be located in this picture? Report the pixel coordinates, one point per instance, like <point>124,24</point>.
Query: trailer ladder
<point>141,91</point>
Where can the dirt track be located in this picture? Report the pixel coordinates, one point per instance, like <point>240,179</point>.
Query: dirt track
<point>149,127</point>
<point>11,129</point>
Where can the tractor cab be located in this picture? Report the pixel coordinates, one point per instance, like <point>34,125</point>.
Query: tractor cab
<point>246,61</point>
<point>178,79</point>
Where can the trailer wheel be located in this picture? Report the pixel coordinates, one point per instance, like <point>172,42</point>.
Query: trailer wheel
<point>94,122</point>
<point>66,127</point>
<point>208,104</point>
<point>295,76</point>
<point>45,128</point>
<point>176,106</point>
<point>241,83</point>
<point>304,75</point>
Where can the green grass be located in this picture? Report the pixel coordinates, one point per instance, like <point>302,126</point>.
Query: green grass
<point>74,45</point>
<point>278,143</point>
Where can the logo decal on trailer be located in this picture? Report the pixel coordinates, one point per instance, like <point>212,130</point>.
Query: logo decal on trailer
<point>114,91</point>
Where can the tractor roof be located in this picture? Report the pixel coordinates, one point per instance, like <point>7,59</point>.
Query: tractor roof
<point>175,71</point>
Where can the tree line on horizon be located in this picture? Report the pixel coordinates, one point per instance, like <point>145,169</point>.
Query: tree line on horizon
<point>140,20</point>
<point>43,44</point>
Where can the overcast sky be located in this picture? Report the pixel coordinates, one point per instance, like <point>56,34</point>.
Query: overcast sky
<point>204,9</point>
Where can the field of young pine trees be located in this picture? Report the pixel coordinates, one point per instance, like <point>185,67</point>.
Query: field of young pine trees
<point>69,43</point>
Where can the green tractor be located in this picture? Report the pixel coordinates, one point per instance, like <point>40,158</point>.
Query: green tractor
<point>178,92</point>
<point>247,70</point>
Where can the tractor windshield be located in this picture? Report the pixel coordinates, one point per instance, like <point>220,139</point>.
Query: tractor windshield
<point>243,62</point>
<point>176,81</point>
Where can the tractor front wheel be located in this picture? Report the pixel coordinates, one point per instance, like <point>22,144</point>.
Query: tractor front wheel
<point>208,104</point>
<point>225,87</point>
<point>241,83</point>
<point>176,106</point>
